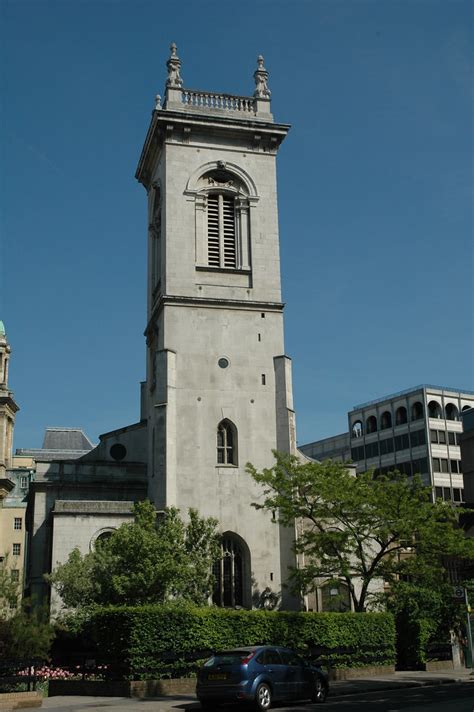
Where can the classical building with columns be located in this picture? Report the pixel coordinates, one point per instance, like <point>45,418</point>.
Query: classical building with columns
<point>218,390</point>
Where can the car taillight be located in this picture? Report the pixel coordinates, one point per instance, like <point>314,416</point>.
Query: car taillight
<point>248,658</point>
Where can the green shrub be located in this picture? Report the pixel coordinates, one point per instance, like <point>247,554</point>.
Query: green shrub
<point>146,640</point>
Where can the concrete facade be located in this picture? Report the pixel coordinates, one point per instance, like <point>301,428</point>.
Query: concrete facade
<point>418,430</point>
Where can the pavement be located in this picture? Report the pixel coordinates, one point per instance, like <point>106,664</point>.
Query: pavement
<point>339,690</point>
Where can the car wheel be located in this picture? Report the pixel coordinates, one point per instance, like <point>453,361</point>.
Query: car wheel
<point>263,697</point>
<point>320,690</point>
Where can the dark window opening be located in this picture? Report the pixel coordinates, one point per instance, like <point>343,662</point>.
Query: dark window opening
<point>118,451</point>
<point>371,424</point>
<point>434,409</point>
<point>401,416</point>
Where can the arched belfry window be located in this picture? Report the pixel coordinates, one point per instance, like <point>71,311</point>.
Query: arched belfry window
<point>231,573</point>
<point>221,231</point>
<point>223,195</point>
<point>226,443</point>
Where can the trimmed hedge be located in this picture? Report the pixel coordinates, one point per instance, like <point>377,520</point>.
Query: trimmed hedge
<point>148,639</point>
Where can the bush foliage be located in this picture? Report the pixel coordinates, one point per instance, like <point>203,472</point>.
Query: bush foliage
<point>163,640</point>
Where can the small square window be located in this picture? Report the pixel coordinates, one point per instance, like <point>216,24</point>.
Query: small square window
<point>436,464</point>
<point>442,437</point>
<point>23,482</point>
<point>17,523</point>
<point>433,436</point>
<point>264,379</point>
<point>444,465</point>
<point>451,439</point>
<point>16,549</point>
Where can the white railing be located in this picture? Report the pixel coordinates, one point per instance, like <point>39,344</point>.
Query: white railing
<point>223,102</point>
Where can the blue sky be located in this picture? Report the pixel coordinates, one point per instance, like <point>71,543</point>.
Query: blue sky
<point>375,193</point>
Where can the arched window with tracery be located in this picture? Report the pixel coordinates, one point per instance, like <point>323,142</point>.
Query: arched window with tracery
<point>226,443</point>
<point>231,573</point>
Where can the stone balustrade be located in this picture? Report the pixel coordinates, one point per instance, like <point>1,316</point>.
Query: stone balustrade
<point>211,101</point>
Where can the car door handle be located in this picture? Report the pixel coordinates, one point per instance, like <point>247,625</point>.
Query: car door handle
<point>269,669</point>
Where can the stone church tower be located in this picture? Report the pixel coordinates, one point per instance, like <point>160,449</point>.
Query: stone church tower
<point>218,392</point>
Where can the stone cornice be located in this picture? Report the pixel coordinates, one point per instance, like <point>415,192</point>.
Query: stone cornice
<point>8,401</point>
<point>165,121</point>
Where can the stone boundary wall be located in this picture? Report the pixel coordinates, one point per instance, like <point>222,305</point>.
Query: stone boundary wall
<point>439,666</point>
<point>20,700</point>
<point>180,686</point>
<point>353,673</point>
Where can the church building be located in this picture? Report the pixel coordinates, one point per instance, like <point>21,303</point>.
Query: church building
<point>218,391</point>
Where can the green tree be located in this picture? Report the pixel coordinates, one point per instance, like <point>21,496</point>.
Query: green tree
<point>360,527</point>
<point>147,561</point>
<point>9,590</point>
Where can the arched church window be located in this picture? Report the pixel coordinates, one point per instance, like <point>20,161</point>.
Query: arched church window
<point>335,597</point>
<point>229,574</point>
<point>226,443</point>
<point>222,198</point>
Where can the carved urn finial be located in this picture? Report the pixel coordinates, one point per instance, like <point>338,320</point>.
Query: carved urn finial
<point>174,66</point>
<point>261,77</point>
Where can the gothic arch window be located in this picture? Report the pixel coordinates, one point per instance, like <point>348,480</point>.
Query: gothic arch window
<point>335,597</point>
<point>223,194</point>
<point>226,443</point>
<point>386,420</point>
<point>231,573</point>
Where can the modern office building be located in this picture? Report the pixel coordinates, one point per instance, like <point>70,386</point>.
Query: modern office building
<point>467,455</point>
<point>414,431</point>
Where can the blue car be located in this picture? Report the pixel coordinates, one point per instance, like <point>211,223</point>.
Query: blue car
<point>260,675</point>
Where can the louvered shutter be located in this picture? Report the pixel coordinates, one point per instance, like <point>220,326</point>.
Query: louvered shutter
<point>228,221</point>
<point>213,241</point>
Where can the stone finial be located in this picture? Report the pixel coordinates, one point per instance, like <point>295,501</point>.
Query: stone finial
<point>261,77</point>
<point>157,102</point>
<point>174,66</point>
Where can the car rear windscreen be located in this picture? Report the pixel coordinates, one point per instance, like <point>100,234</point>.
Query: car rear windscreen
<point>233,657</point>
